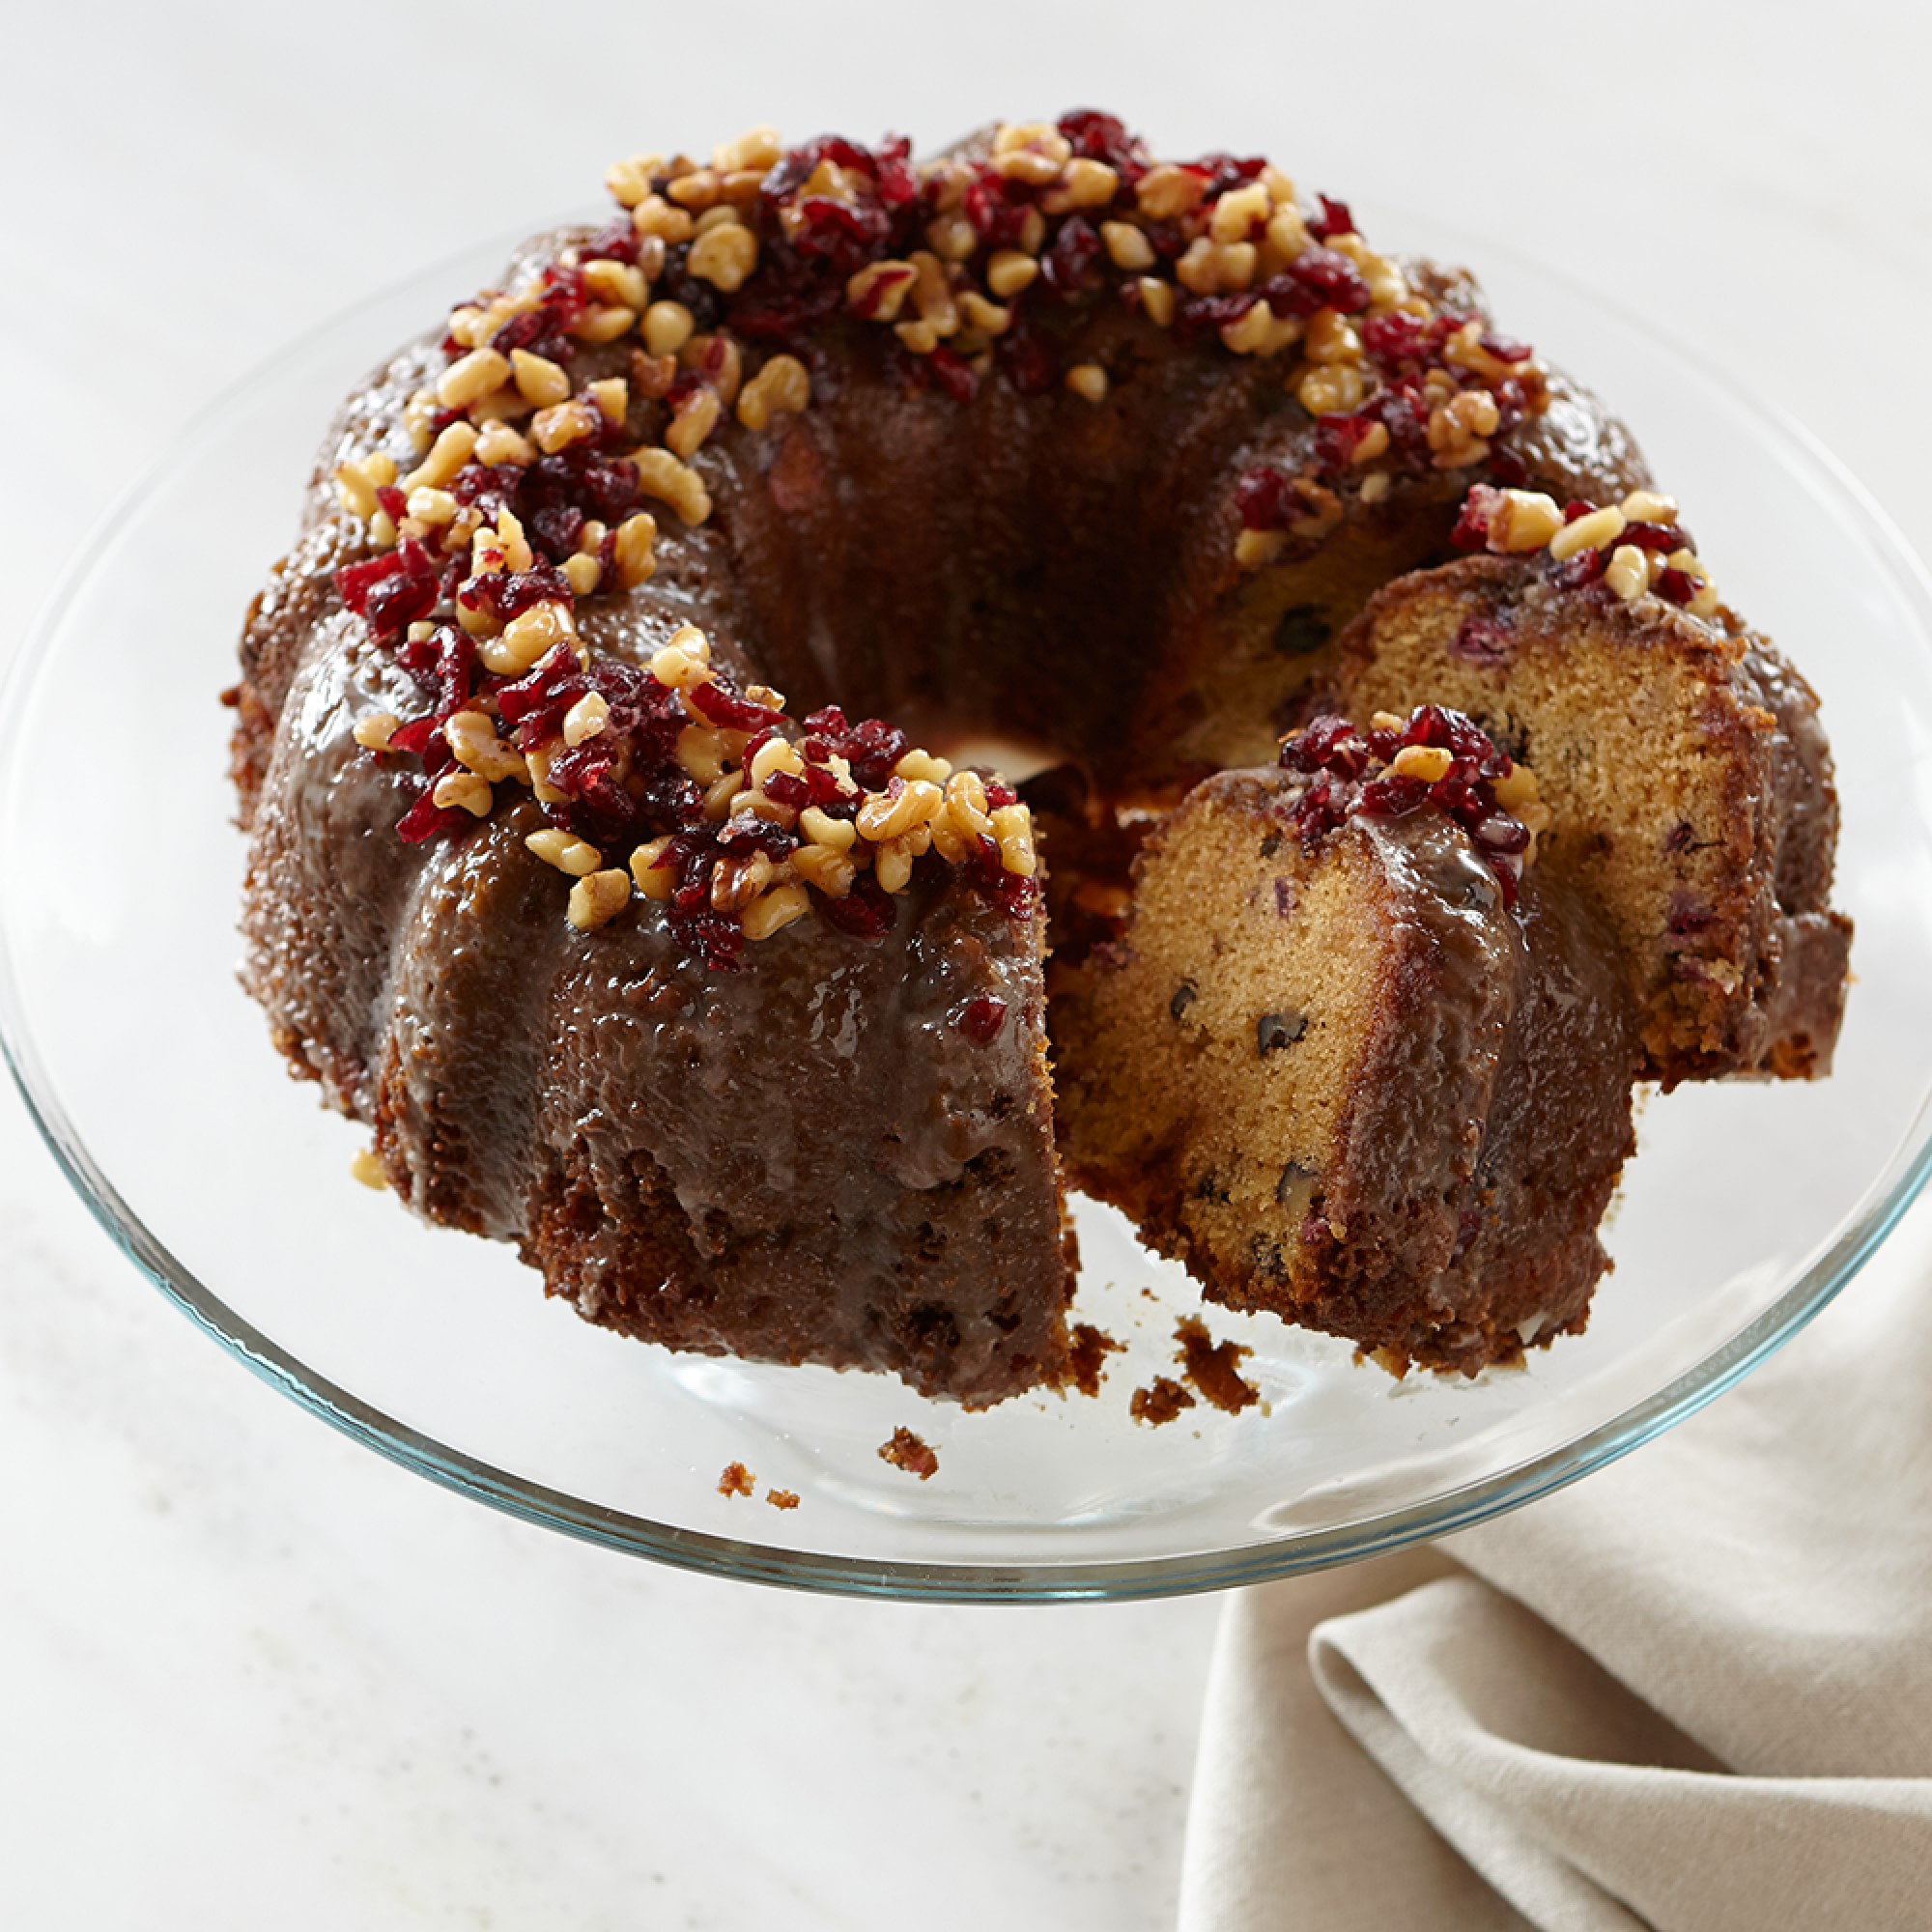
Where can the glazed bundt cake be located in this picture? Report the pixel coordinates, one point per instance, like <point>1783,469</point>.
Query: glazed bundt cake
<point>1351,1060</point>
<point>626,849</point>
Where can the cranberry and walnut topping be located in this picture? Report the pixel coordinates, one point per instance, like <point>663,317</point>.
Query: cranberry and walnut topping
<point>973,263</point>
<point>1434,760</point>
<point>667,777</point>
<point>1634,549</point>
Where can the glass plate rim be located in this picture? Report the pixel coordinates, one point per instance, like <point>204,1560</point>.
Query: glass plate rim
<point>1116,1579</point>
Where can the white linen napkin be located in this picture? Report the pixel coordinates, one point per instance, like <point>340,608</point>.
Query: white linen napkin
<point>1693,1693</point>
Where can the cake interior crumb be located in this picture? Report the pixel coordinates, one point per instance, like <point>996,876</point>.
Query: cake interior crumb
<point>1211,1368</point>
<point>1090,1346</point>
<point>737,1481</point>
<point>907,1452</point>
<point>1160,1401</point>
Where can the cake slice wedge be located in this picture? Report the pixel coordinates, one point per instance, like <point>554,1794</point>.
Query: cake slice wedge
<point>1352,1059</point>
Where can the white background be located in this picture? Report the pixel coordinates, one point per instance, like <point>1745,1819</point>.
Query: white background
<point>250,1675</point>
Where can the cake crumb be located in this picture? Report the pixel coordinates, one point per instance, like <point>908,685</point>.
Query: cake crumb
<point>1161,1401</point>
<point>737,1481</point>
<point>905,1451</point>
<point>1211,1366</point>
<point>1092,1346</point>
<point>782,1499</point>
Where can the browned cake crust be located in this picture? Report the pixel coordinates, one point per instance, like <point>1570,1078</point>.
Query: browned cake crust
<point>1688,778</point>
<point>1351,1085</point>
<point>1101,471</point>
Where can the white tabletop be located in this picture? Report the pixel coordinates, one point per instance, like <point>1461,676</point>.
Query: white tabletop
<point>251,1674</point>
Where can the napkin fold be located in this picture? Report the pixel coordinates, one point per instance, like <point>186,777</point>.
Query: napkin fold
<point>1693,1693</point>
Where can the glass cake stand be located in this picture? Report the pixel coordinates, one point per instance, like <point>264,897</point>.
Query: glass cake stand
<point>1747,1208</point>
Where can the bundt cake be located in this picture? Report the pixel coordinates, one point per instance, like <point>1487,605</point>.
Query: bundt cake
<point>727,1008</point>
<point>1351,1061</point>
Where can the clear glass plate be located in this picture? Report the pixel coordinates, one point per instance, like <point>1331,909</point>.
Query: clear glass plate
<point>154,1083</point>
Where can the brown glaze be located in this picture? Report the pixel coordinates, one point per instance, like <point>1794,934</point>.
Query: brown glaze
<point>1523,1257</point>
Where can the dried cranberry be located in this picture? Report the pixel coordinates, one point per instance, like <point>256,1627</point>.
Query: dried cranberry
<point>788,300</point>
<point>1225,171</point>
<point>1030,358</point>
<point>1063,268</point>
<point>714,938</point>
<point>508,593</point>
<point>1481,640</point>
<point>894,177</point>
<point>1508,468</point>
<point>1317,278</point>
<point>997,209</point>
<point>392,592</point>
<point>1393,338</point>
<point>1576,573</point>
<point>1472,527</point>
<point>615,241</point>
<point>1353,772</point>
<point>981,1020</point>
<point>952,373</point>
<point>1265,500</point>
<point>555,528</point>
<point>1500,833</point>
<point>444,662</point>
<point>871,748</point>
<point>722,705</point>
<point>1330,743</point>
<point>1392,796</point>
<point>746,832</point>
<point>1336,439</point>
<point>1402,409</point>
<point>789,788</point>
<point>866,912</point>
<point>1099,137</point>
<point>1664,538</point>
<point>492,490</point>
<point>354,582</point>
<point>1333,220</point>
<point>425,819</point>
